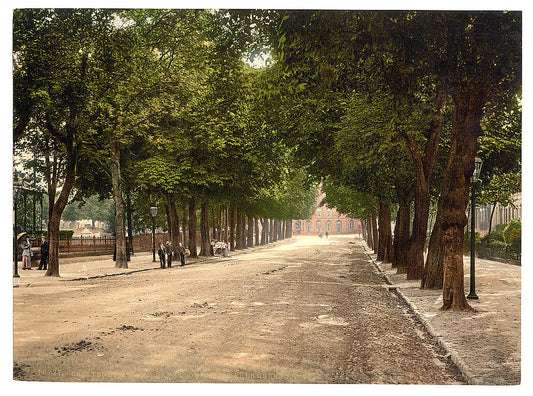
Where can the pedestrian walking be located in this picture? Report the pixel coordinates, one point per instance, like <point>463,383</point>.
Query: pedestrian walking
<point>45,247</point>
<point>26,253</point>
<point>327,234</point>
<point>162,253</point>
<point>170,252</point>
<point>181,252</point>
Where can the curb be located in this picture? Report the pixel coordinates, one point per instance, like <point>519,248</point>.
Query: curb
<point>454,357</point>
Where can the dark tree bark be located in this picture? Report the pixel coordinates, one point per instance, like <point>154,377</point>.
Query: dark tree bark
<point>433,276</point>
<point>363,230</point>
<point>184,226</point>
<point>385,232</point>
<point>375,237</point>
<point>174,223</point>
<point>491,217</point>
<point>57,211</point>
<point>192,228</point>
<point>468,109</point>
<point>288,228</point>
<point>205,243</point>
<point>233,221</point>
<point>250,233</point>
<point>239,231</point>
<point>129,210</point>
<point>423,165</point>
<point>120,231</point>
<point>401,235</point>
<point>226,225</point>
<point>257,232</point>
<point>243,230</point>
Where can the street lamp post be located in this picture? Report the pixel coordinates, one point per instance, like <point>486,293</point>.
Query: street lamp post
<point>475,177</point>
<point>17,190</point>
<point>153,212</point>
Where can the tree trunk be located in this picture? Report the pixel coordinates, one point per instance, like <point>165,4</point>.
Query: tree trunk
<point>192,228</point>
<point>433,275</point>
<point>385,232</point>
<point>184,226</point>
<point>239,231</point>
<point>423,166</point>
<point>120,231</point>
<point>129,210</point>
<point>233,221</point>
<point>491,216</point>
<point>275,230</point>
<point>243,230</point>
<point>257,232</point>
<point>167,212</point>
<point>250,236</point>
<point>205,243</point>
<point>57,211</point>
<point>467,114</point>
<point>226,225</point>
<point>415,267</point>
<point>375,236</point>
<point>363,230</point>
<point>174,223</point>
<point>401,235</point>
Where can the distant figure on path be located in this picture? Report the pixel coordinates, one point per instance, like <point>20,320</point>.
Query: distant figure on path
<point>26,253</point>
<point>170,252</point>
<point>181,251</point>
<point>45,247</point>
<point>162,252</point>
<point>327,234</point>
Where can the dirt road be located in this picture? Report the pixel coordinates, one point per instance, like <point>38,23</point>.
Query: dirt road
<point>308,310</point>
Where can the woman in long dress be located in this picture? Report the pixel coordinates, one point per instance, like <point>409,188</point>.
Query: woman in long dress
<point>26,253</point>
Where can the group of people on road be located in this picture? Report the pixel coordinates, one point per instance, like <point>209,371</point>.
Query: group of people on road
<point>166,254</point>
<point>27,252</point>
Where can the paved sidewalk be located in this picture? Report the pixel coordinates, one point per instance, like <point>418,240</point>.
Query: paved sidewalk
<point>484,344</point>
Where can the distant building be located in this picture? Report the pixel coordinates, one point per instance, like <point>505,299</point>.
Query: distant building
<point>500,214</point>
<point>86,233</point>
<point>326,219</point>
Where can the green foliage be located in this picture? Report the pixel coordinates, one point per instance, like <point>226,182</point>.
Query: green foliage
<point>91,208</point>
<point>63,234</point>
<point>512,231</point>
<point>505,244</point>
<point>492,237</point>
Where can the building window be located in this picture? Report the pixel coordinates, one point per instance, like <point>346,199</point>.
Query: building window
<point>298,226</point>
<point>338,227</point>
<point>319,226</point>
<point>319,212</point>
<point>328,212</point>
<point>328,226</point>
<point>352,225</point>
<point>309,225</point>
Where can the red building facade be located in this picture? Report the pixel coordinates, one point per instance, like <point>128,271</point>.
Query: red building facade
<point>325,219</point>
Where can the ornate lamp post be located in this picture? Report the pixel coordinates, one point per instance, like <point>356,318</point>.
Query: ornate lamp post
<point>475,177</point>
<point>17,190</point>
<point>153,212</point>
